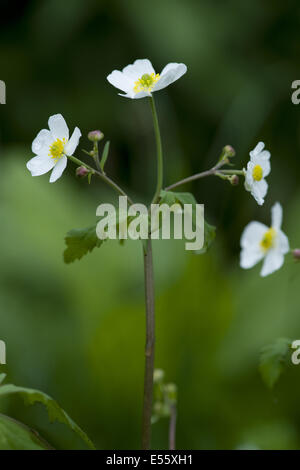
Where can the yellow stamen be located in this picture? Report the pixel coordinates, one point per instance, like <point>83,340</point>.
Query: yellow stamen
<point>57,149</point>
<point>268,239</point>
<point>146,82</point>
<point>257,173</point>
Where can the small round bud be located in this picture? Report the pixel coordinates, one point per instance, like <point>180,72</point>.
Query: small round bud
<point>95,136</point>
<point>229,151</point>
<point>82,171</point>
<point>296,254</point>
<point>158,375</point>
<point>234,180</point>
<point>171,391</point>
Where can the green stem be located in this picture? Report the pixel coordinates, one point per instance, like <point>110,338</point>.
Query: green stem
<point>172,428</point>
<point>101,175</point>
<point>159,151</point>
<point>215,171</point>
<point>149,350</point>
<point>232,172</point>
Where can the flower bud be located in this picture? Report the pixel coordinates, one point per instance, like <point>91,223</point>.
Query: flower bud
<point>171,392</point>
<point>229,151</point>
<point>82,171</point>
<point>234,180</point>
<point>158,376</point>
<point>95,136</point>
<point>296,254</point>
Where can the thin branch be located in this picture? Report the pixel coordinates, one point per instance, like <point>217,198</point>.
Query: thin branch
<point>103,176</point>
<point>172,427</point>
<point>197,176</point>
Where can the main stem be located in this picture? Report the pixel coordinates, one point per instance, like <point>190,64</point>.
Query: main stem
<point>149,350</point>
<point>159,152</point>
<point>149,298</point>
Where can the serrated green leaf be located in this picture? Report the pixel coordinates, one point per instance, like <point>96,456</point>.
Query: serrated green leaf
<point>55,412</point>
<point>104,155</point>
<point>170,198</point>
<point>80,242</point>
<point>273,359</point>
<point>16,436</point>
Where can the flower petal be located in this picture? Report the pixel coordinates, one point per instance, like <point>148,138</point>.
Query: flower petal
<point>40,165</point>
<point>170,74</point>
<point>283,243</point>
<point>266,167</point>
<point>265,155</point>
<point>136,96</point>
<point>253,234</point>
<point>273,261</point>
<point>259,148</point>
<point>58,169</point>
<point>250,257</point>
<point>138,68</point>
<point>73,142</point>
<point>259,191</point>
<point>276,216</point>
<point>119,80</point>
<point>58,127</point>
<point>42,142</point>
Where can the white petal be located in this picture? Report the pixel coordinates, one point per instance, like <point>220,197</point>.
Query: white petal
<point>283,243</point>
<point>138,68</point>
<point>266,167</point>
<point>121,81</point>
<point>136,96</point>
<point>42,143</point>
<point>273,261</point>
<point>58,127</point>
<point>250,257</point>
<point>40,165</point>
<point>58,169</point>
<point>170,74</point>
<point>253,234</point>
<point>259,191</point>
<point>265,155</point>
<point>259,148</point>
<point>276,216</point>
<point>264,163</point>
<point>73,142</point>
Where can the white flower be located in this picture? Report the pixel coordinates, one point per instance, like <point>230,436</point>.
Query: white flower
<point>260,242</point>
<point>257,169</point>
<point>52,147</point>
<point>139,79</point>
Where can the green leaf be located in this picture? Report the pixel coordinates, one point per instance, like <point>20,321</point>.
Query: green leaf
<point>104,155</point>
<point>170,198</point>
<point>80,242</point>
<point>16,436</point>
<point>2,377</point>
<point>209,236</point>
<point>273,359</point>
<point>55,412</point>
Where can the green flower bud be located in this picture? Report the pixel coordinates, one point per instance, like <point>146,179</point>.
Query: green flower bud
<point>229,151</point>
<point>158,376</point>
<point>234,180</point>
<point>95,136</point>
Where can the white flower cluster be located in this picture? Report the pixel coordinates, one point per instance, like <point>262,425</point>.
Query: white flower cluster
<point>139,80</point>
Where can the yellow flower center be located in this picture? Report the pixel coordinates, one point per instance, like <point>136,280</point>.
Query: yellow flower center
<point>57,149</point>
<point>268,239</point>
<point>257,173</point>
<point>146,82</point>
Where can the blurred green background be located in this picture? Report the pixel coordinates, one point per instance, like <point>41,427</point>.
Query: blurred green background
<point>77,332</point>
